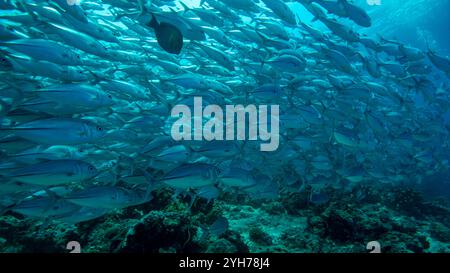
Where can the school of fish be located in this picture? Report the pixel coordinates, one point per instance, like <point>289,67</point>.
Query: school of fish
<point>86,92</point>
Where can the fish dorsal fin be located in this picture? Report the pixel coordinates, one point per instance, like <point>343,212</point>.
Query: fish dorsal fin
<point>185,7</point>
<point>153,22</point>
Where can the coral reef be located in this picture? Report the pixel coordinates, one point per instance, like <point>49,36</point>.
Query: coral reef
<point>400,219</point>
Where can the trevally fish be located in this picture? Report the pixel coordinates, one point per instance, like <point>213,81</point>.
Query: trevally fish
<point>60,131</point>
<point>193,175</point>
<point>107,197</point>
<point>45,50</point>
<point>54,172</point>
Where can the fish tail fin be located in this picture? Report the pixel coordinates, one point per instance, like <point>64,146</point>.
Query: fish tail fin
<point>4,52</point>
<point>122,121</point>
<point>141,5</point>
<point>132,14</point>
<point>24,5</point>
<point>240,147</point>
<point>139,107</point>
<point>112,70</point>
<point>118,16</point>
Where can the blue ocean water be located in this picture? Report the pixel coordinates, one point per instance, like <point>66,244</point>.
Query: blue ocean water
<point>224,125</point>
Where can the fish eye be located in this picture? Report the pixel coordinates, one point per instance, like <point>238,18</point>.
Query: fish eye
<point>109,97</point>
<point>91,168</point>
<point>99,128</point>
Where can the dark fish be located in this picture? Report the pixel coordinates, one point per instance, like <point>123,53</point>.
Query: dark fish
<point>168,36</point>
